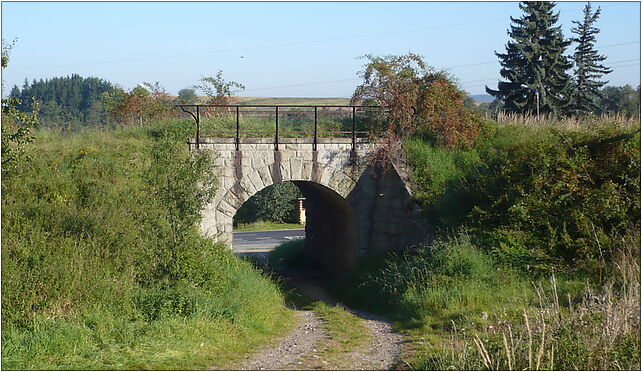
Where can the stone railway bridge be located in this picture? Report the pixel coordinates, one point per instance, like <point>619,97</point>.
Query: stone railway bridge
<point>352,208</point>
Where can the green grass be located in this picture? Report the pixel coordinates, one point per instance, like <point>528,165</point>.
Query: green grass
<point>520,204</point>
<point>446,297</point>
<point>103,339</point>
<point>103,267</point>
<point>266,226</point>
<point>298,126</point>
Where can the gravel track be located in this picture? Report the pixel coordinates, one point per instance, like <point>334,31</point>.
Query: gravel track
<point>300,342</point>
<point>298,350</point>
<point>383,350</point>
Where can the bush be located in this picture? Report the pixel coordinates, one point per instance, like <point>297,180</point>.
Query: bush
<point>420,100</point>
<point>434,284</point>
<point>537,198</point>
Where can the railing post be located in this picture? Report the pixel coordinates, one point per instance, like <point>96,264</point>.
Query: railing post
<point>238,140</point>
<point>276,138</point>
<point>198,127</point>
<point>314,142</point>
<point>354,139</point>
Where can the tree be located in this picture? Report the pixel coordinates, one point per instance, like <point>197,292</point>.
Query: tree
<point>624,100</point>
<point>147,101</point>
<point>15,127</point>
<point>585,94</point>
<point>534,63</point>
<point>6,49</point>
<point>418,99</point>
<point>218,91</point>
<point>186,96</point>
<point>392,81</point>
<point>276,203</point>
<point>158,103</point>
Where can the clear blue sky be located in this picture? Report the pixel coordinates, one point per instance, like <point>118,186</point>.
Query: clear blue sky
<point>287,47</point>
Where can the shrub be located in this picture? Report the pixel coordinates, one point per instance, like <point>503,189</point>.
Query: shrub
<point>420,100</point>
<point>537,198</point>
<point>442,114</point>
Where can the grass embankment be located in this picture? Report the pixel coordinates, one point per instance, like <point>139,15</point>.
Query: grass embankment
<point>536,262</point>
<point>103,268</point>
<point>267,226</point>
<point>542,271</point>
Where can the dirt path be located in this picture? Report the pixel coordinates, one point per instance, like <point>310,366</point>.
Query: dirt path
<point>304,347</point>
<point>289,349</point>
<point>383,351</point>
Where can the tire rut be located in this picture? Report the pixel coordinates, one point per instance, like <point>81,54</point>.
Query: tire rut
<point>288,349</point>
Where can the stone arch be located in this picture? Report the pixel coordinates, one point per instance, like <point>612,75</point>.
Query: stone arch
<point>242,176</point>
<point>331,229</point>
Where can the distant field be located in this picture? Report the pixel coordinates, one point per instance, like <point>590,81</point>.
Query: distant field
<point>479,99</point>
<point>293,101</point>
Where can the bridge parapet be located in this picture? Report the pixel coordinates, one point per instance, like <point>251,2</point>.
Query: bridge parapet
<point>285,121</point>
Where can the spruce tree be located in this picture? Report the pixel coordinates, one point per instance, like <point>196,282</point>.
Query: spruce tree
<point>585,92</point>
<point>534,62</point>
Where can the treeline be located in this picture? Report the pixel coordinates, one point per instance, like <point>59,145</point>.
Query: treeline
<point>72,100</point>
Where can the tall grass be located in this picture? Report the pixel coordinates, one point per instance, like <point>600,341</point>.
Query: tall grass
<point>569,123</point>
<point>103,267</point>
<point>594,329</point>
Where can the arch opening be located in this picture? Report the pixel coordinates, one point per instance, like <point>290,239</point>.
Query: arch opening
<point>330,228</point>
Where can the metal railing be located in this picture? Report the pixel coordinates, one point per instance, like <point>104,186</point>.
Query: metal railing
<point>197,111</point>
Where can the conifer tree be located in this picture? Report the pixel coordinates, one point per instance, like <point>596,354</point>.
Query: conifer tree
<point>534,63</point>
<point>585,92</point>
